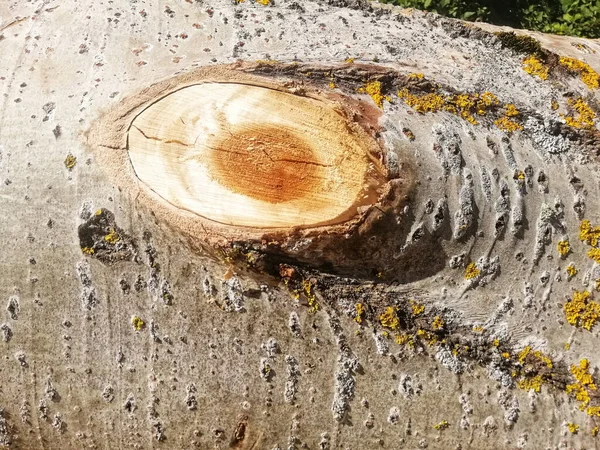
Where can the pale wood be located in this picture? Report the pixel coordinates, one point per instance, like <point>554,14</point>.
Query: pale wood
<point>251,156</point>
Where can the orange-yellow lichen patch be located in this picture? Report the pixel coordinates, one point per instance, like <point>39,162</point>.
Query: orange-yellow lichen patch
<point>581,311</point>
<point>534,383</point>
<point>573,428</point>
<point>586,115</point>
<point>415,76</point>
<point>488,99</point>
<point>373,88</point>
<point>563,248</point>
<point>594,253</point>
<point>112,237</point>
<point>582,374</point>
<point>360,312</point>
<point>423,103</point>
<point>416,308</point>
<point>263,2</point>
<point>404,339</point>
<point>471,271</point>
<point>87,250</point>
<point>137,323</point>
<point>389,319</point>
<point>349,60</point>
<point>593,411</point>
<point>310,296</point>
<point>588,75</point>
<point>537,354</point>
<point>590,235</point>
<point>438,323</point>
<point>511,110</point>
<point>571,270</point>
<point>462,105</point>
<point>442,425</point>
<point>534,66</point>
<point>508,125</point>
<point>70,161</point>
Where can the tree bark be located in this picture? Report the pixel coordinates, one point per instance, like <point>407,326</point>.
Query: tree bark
<point>278,224</point>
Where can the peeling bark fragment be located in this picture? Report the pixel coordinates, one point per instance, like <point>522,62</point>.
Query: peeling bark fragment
<point>5,436</point>
<point>13,307</point>
<point>7,332</point>
<point>190,399</point>
<point>291,385</point>
<point>100,237</point>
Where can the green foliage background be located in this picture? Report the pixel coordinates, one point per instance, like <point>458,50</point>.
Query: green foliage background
<point>569,17</point>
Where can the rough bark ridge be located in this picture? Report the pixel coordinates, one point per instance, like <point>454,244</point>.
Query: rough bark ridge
<point>457,307</point>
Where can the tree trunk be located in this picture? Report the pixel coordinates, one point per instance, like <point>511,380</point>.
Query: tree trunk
<point>275,224</point>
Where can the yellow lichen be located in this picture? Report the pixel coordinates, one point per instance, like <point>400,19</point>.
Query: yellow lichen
<point>438,323</point>
<point>310,296</point>
<point>331,85</point>
<point>554,105</point>
<point>528,384</point>
<point>582,375</point>
<point>581,311</point>
<point>594,253</point>
<point>87,250</point>
<point>505,355</point>
<point>137,323</point>
<point>593,411</point>
<point>588,75</point>
<point>415,76</point>
<point>594,431</point>
<point>567,346</point>
<point>423,103</point>
<point>404,339</point>
<point>585,119</point>
<point>442,425</point>
<point>70,161</point>
<point>478,329</point>
<point>389,319</point>
<point>571,270</point>
<point>471,271</point>
<point>112,237</point>
<point>373,88</point>
<point>523,354</point>
<point>349,60</point>
<point>417,308</point>
<point>590,235</point>
<point>98,212</point>
<point>572,427</point>
<point>534,66</point>
<point>360,311</point>
<point>496,343</point>
<point>489,99</point>
<point>543,358</point>
<point>263,2</point>
<point>508,125</point>
<point>563,248</point>
<point>511,110</point>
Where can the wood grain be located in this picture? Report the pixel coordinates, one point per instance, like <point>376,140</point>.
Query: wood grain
<point>252,156</point>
